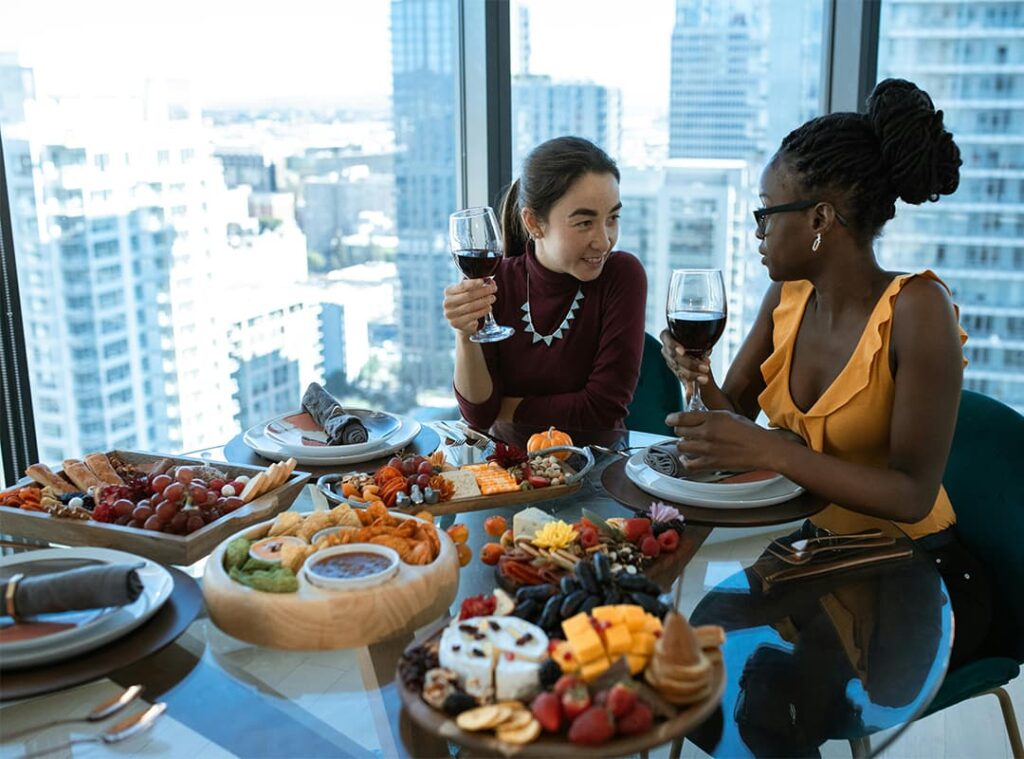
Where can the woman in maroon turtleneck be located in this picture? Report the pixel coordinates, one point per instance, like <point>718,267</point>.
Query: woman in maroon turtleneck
<point>576,304</point>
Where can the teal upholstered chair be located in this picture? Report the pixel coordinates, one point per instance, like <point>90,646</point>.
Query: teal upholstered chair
<point>658,393</point>
<point>985,481</point>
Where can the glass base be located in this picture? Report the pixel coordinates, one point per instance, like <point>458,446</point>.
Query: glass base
<point>492,334</point>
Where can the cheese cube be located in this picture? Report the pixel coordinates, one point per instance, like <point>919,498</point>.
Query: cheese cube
<point>593,670</point>
<point>634,617</point>
<point>607,613</point>
<point>576,625</point>
<point>587,646</point>
<point>652,624</point>
<point>636,663</point>
<point>617,639</point>
<point>565,657</point>
<point>643,644</point>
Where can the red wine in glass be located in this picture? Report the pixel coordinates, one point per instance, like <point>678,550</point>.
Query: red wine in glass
<point>475,242</point>
<point>696,313</point>
<point>477,263</point>
<point>696,331</point>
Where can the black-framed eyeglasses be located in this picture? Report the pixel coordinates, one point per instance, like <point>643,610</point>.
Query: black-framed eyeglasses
<point>761,214</point>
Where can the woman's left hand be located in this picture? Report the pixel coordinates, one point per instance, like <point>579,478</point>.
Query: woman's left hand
<point>710,440</point>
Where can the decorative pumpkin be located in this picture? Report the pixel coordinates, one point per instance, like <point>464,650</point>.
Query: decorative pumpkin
<point>548,439</point>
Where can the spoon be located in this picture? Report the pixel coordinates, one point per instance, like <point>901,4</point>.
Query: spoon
<point>108,708</point>
<point>799,546</point>
<point>123,730</point>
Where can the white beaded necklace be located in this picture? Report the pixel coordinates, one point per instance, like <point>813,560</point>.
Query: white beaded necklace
<point>563,327</point>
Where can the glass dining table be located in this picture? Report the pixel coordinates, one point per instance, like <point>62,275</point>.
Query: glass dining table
<point>844,657</point>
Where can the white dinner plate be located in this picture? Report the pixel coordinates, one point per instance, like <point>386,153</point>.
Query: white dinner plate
<point>257,439</point>
<point>297,433</point>
<point>92,627</point>
<point>713,489</point>
<point>672,489</point>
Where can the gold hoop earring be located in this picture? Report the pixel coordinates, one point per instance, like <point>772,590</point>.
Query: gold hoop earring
<point>816,244</point>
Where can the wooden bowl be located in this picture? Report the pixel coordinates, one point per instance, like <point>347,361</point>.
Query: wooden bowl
<point>313,619</point>
<point>486,744</point>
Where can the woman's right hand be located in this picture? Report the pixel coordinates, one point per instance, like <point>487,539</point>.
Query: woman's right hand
<point>686,368</point>
<point>467,302</point>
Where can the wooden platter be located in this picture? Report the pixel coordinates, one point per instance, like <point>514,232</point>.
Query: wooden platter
<point>485,743</point>
<point>574,481</point>
<point>316,619</point>
<point>158,546</point>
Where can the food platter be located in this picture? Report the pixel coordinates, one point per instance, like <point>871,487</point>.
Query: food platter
<point>570,480</point>
<point>673,722</point>
<point>163,547</point>
<point>315,618</point>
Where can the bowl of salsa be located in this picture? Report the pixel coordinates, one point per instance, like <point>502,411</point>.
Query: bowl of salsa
<point>353,566</point>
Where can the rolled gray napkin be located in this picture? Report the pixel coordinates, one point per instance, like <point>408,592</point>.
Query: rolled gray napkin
<point>83,588</point>
<point>340,428</point>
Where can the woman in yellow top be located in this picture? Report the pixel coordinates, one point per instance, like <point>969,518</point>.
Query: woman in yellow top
<point>858,368</point>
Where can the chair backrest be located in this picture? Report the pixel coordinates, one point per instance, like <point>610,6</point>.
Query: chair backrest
<point>658,393</point>
<point>985,481</point>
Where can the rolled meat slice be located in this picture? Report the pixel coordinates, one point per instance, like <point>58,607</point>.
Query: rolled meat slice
<point>340,427</point>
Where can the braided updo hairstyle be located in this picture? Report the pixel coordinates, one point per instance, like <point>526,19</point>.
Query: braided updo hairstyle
<point>863,162</point>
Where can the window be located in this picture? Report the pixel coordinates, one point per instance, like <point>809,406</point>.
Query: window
<point>225,187</point>
<point>689,81</point>
<point>970,238</point>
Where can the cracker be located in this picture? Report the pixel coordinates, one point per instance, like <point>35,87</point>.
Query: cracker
<point>253,487</point>
<point>483,717</point>
<point>528,733</point>
<point>519,719</point>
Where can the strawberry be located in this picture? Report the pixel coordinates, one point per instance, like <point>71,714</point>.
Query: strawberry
<point>621,699</point>
<point>565,682</point>
<point>575,701</point>
<point>589,537</point>
<point>636,528</point>
<point>669,540</point>
<point>650,546</point>
<point>637,721</point>
<point>548,711</point>
<point>537,481</point>
<point>592,728</point>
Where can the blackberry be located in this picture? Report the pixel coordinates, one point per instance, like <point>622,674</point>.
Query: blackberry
<point>549,673</point>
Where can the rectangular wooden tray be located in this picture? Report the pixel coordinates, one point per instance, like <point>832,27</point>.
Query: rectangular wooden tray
<point>158,546</point>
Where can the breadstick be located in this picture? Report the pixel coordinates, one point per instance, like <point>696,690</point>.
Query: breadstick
<point>45,476</point>
<point>81,475</point>
<point>101,467</point>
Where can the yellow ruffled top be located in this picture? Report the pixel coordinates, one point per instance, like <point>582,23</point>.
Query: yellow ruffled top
<point>852,417</point>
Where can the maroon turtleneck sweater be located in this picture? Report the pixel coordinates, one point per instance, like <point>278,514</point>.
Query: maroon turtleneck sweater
<point>586,379</point>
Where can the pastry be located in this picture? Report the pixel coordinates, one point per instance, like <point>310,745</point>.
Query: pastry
<point>81,475</point>
<point>101,467</point>
<point>45,477</point>
<point>678,669</point>
<point>286,523</point>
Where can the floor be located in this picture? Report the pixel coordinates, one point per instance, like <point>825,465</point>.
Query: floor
<point>971,730</point>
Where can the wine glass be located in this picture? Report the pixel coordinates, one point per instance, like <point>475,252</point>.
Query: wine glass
<point>477,250</point>
<point>696,313</point>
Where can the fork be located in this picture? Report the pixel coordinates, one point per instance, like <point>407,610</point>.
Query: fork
<point>801,545</point>
<point>102,711</point>
<point>450,433</point>
<point>798,558</point>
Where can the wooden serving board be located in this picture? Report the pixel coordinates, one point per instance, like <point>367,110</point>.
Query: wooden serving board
<point>318,619</point>
<point>158,546</point>
<point>486,744</point>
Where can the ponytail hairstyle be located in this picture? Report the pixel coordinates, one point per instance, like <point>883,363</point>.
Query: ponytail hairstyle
<point>864,162</point>
<point>548,172</point>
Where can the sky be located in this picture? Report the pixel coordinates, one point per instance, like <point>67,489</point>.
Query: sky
<point>331,50</point>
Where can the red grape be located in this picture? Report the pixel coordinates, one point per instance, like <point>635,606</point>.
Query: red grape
<point>199,482</point>
<point>126,519</point>
<point>174,492</point>
<point>423,481</point>
<point>395,463</point>
<point>166,510</point>
<point>409,466</point>
<point>425,468</point>
<point>154,523</point>
<point>230,504</point>
<point>198,494</point>
<point>142,513</point>
<point>137,523</point>
<point>160,482</point>
<point>216,484</point>
<point>184,475</point>
<point>122,506</point>
<point>178,521</point>
<point>194,523</point>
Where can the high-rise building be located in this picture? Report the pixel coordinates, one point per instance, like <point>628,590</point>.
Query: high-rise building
<point>542,109</point>
<point>423,54</point>
<point>691,214</point>
<point>717,104</point>
<point>969,55</point>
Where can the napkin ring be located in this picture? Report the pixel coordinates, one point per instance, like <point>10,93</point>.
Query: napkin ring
<point>12,588</point>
